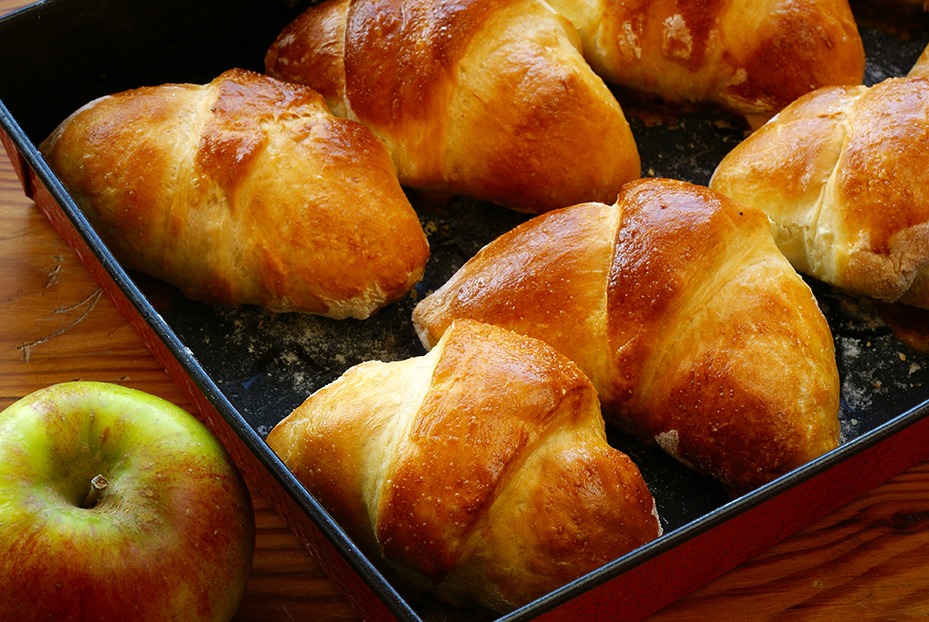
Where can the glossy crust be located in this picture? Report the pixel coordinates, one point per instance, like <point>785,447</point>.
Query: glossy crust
<point>843,174</point>
<point>481,468</point>
<point>676,303</point>
<point>246,190</point>
<point>751,57</point>
<point>490,99</point>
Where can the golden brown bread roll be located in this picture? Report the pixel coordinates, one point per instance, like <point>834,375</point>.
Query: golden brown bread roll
<point>921,66</point>
<point>490,99</point>
<point>843,174</point>
<point>246,190</point>
<point>750,57</point>
<point>678,306</point>
<point>481,468</point>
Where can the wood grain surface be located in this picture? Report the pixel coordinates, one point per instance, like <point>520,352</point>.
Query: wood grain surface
<point>867,561</point>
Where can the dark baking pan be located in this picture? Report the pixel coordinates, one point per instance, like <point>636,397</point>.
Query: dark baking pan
<point>246,368</point>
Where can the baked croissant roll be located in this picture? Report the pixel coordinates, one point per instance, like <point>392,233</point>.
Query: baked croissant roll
<point>489,99</point>
<point>843,174</point>
<point>750,57</point>
<point>921,65</point>
<point>246,190</point>
<point>678,306</point>
<point>480,469</point>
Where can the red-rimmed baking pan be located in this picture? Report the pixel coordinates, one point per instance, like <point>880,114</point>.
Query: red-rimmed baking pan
<point>246,368</point>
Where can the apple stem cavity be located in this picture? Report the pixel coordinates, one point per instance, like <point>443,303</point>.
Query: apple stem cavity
<point>97,485</point>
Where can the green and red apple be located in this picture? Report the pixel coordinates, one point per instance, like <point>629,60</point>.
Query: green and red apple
<point>118,505</point>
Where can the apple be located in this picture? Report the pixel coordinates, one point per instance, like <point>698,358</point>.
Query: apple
<point>118,505</point>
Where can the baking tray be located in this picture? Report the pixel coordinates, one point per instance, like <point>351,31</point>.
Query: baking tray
<point>246,368</point>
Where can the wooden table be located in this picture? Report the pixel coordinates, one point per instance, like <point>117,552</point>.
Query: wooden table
<point>868,561</point>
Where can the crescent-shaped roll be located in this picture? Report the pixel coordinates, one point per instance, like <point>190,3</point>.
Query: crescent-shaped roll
<point>843,175</point>
<point>751,57</point>
<point>678,306</point>
<point>920,65</point>
<point>490,99</point>
<point>245,190</point>
<point>480,470</point>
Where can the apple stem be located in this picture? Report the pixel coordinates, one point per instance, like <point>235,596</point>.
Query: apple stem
<point>97,485</point>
